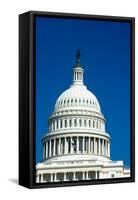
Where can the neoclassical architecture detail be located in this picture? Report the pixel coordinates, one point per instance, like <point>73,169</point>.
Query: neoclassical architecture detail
<point>77,146</point>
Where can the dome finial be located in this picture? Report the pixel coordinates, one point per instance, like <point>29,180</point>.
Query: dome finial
<point>78,71</point>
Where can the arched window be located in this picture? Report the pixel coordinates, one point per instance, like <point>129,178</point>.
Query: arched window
<point>70,122</point>
<point>71,100</point>
<point>75,100</point>
<point>57,124</point>
<point>97,125</point>
<point>93,124</point>
<point>61,124</point>
<point>80,122</point>
<point>89,123</point>
<point>75,122</point>
<point>53,125</point>
<point>65,123</point>
<point>85,123</point>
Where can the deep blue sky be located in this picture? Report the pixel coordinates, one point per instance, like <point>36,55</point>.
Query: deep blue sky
<point>105,56</point>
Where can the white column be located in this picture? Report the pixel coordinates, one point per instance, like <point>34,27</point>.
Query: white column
<point>49,148</point>
<point>92,145</point>
<point>51,177</point>
<point>55,124</point>
<point>52,126</point>
<point>99,146</point>
<point>55,177</point>
<point>59,146</point>
<point>109,149</point>
<point>86,175</point>
<point>103,147</point>
<point>95,174</point>
<point>106,148</point>
<point>73,176</point>
<point>59,123</point>
<point>63,123</point>
<point>54,144</point>
<point>89,144</point>
<point>46,149</point>
<point>96,146</point>
<point>65,176</point>
<point>77,144</point>
<point>37,178</point>
<point>100,174</point>
<point>67,123</point>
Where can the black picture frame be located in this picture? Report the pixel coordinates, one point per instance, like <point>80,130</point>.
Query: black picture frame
<point>27,99</point>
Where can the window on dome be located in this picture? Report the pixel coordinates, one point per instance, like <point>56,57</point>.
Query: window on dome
<point>53,126</point>
<point>68,101</point>
<point>79,100</point>
<point>75,122</point>
<point>61,124</point>
<point>80,122</point>
<point>70,122</point>
<point>87,101</point>
<point>93,124</point>
<point>75,100</point>
<point>89,123</point>
<point>65,123</point>
<point>85,123</point>
<point>57,124</point>
<point>71,100</point>
<point>64,101</point>
<point>97,124</point>
<point>83,100</point>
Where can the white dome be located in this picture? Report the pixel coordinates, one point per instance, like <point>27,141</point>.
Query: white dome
<point>77,96</point>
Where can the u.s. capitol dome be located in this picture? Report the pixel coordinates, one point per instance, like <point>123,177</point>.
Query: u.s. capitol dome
<point>77,146</point>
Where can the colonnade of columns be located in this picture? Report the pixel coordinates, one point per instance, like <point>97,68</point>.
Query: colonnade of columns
<point>67,176</point>
<point>57,124</point>
<point>78,75</point>
<point>76,145</point>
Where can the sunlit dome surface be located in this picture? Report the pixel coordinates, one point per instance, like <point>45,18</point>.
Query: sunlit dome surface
<point>77,96</point>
